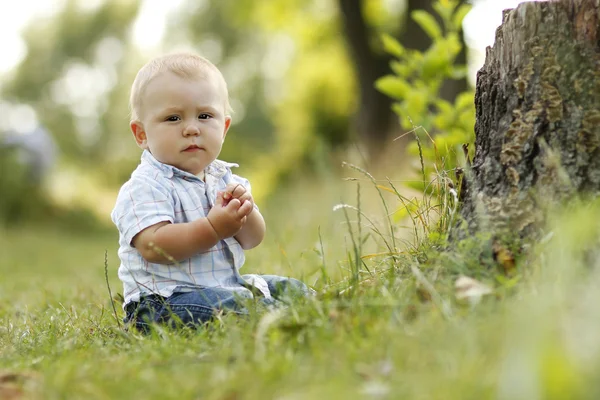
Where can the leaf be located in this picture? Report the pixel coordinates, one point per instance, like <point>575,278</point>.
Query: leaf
<point>416,104</point>
<point>459,72</point>
<point>392,86</point>
<point>11,384</point>
<point>428,23</point>
<point>435,65</point>
<point>444,10</point>
<point>386,253</point>
<point>387,189</point>
<point>444,106</point>
<point>398,109</point>
<point>471,289</point>
<point>505,259</point>
<point>465,100</point>
<point>402,69</point>
<point>407,209</point>
<point>392,46</point>
<point>423,294</point>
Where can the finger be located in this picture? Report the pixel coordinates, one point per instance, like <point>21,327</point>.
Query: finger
<point>245,208</point>
<point>234,204</point>
<point>238,191</point>
<point>246,197</point>
<point>220,201</point>
<point>226,193</point>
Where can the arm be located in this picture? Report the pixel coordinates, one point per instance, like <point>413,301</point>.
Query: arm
<point>165,242</point>
<point>253,231</point>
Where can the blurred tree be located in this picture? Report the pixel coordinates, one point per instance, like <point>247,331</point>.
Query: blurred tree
<point>292,81</point>
<point>374,118</point>
<point>72,75</point>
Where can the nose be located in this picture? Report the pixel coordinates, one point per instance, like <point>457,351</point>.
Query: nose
<point>191,130</point>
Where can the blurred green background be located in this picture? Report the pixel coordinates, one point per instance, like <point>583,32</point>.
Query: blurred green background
<point>301,77</point>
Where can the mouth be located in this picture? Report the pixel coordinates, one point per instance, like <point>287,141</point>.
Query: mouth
<point>192,148</point>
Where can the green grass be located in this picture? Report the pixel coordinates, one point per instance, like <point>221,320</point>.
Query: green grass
<point>400,333</point>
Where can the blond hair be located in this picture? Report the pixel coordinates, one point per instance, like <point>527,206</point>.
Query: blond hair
<point>185,65</point>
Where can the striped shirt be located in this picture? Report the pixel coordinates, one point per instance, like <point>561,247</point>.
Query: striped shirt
<point>158,192</point>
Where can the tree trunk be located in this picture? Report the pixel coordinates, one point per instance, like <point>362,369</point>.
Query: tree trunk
<point>374,118</point>
<point>537,116</point>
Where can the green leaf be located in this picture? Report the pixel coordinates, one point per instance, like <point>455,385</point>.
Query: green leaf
<point>465,100</point>
<point>453,44</point>
<point>393,86</point>
<point>459,72</point>
<point>402,69</point>
<point>444,10</point>
<point>444,106</point>
<point>428,23</point>
<point>416,105</point>
<point>392,46</point>
<point>398,108</point>
<point>407,209</point>
<point>434,65</point>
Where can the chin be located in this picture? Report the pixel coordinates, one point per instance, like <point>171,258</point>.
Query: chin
<point>194,170</point>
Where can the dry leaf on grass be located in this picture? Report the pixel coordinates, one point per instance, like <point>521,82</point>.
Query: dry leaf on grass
<point>11,383</point>
<point>471,289</point>
<point>505,258</point>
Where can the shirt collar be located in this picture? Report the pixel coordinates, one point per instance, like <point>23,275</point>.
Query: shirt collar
<point>217,168</point>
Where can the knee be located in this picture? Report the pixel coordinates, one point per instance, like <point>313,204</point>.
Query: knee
<point>280,286</point>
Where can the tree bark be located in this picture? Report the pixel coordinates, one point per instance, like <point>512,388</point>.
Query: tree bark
<point>537,116</point>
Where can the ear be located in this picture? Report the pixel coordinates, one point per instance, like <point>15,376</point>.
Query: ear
<point>227,125</point>
<point>139,134</point>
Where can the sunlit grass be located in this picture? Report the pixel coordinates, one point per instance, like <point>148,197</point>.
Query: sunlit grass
<point>398,333</point>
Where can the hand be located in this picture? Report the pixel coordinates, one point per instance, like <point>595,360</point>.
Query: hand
<point>228,218</point>
<point>238,191</point>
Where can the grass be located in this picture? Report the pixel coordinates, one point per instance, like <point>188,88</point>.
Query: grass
<point>398,332</point>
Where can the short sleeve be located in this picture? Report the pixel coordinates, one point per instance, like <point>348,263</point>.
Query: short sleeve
<point>236,179</point>
<point>141,203</point>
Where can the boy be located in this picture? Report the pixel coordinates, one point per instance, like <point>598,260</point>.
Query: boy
<point>184,218</point>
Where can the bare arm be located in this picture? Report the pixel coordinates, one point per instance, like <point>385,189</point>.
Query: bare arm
<point>253,231</point>
<point>164,242</point>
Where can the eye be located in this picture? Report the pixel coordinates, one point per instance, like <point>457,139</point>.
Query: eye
<point>172,118</point>
<point>204,116</point>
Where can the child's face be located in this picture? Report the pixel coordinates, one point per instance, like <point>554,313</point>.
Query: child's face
<point>182,121</point>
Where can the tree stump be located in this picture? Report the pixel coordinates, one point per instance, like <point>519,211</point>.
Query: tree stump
<point>537,116</point>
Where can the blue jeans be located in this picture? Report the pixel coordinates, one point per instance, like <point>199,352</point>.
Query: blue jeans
<point>200,306</point>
